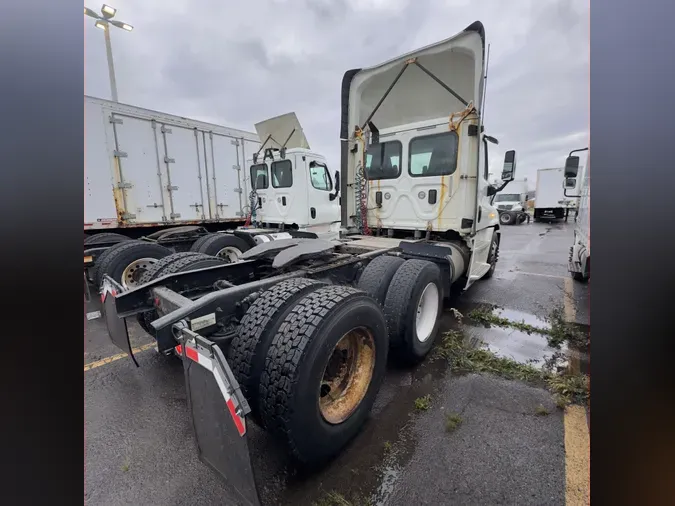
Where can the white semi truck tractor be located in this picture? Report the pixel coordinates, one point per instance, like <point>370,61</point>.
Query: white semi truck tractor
<point>580,251</point>
<point>294,337</point>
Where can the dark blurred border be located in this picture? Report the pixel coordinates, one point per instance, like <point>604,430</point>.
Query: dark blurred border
<point>41,209</point>
<point>633,178</point>
<point>633,134</point>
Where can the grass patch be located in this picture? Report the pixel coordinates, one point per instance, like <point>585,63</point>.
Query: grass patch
<point>387,446</point>
<point>541,410</point>
<point>423,403</point>
<point>561,402</point>
<point>452,422</point>
<point>563,331</point>
<point>486,316</point>
<point>572,387</point>
<point>124,467</point>
<point>560,332</point>
<point>467,359</point>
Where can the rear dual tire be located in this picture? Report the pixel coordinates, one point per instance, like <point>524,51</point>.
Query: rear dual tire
<point>310,359</point>
<point>413,307</point>
<point>226,246</point>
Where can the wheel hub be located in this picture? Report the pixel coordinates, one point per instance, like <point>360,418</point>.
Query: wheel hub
<point>347,375</point>
<point>133,272</point>
<point>229,253</point>
<point>427,312</point>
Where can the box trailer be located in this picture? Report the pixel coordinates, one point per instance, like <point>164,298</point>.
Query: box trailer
<point>550,201</point>
<point>169,184</point>
<point>145,168</point>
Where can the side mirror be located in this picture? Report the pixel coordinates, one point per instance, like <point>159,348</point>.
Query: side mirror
<point>509,170</point>
<point>571,166</point>
<point>570,182</point>
<point>333,196</point>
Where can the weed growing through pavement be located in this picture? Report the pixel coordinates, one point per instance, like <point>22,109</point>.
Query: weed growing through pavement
<point>452,421</point>
<point>570,388</point>
<point>423,403</point>
<point>559,333</point>
<point>334,498</point>
<point>541,410</point>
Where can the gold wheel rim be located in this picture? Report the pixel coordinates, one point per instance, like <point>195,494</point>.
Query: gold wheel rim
<point>347,375</point>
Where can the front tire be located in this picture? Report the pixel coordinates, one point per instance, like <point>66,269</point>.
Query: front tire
<point>323,370</point>
<point>493,256</point>
<point>506,218</point>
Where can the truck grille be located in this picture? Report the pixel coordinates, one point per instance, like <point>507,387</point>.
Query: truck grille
<point>505,207</point>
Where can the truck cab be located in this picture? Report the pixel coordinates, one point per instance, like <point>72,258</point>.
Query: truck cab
<point>415,151</point>
<point>292,186</point>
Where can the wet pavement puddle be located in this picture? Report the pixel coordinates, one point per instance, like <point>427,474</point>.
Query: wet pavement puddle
<point>367,471</point>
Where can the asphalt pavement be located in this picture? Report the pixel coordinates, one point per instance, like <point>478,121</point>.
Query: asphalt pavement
<point>139,447</point>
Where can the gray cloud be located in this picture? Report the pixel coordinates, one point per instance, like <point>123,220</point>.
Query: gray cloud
<point>236,63</point>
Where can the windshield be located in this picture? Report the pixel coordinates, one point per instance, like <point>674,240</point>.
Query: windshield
<point>507,197</point>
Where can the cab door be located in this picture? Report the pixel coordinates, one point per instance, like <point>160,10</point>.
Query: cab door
<point>322,195</point>
<point>281,193</point>
<point>260,183</point>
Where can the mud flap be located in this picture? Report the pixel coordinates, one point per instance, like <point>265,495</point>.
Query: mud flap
<point>117,327</point>
<point>218,410</point>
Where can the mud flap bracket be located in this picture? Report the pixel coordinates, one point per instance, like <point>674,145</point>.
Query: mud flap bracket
<point>218,409</point>
<point>117,327</point>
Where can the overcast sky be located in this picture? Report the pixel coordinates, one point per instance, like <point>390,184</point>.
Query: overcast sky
<point>235,63</point>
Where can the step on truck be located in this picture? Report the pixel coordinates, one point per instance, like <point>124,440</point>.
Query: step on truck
<point>190,192</point>
<point>580,252</point>
<point>293,339</point>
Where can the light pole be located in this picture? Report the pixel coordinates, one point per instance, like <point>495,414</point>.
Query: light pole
<point>104,21</point>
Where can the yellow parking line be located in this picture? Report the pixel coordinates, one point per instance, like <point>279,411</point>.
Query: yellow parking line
<point>568,301</point>
<point>577,457</point>
<point>107,360</point>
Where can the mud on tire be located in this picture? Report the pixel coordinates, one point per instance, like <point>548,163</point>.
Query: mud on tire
<point>378,274</point>
<point>299,359</point>
<point>258,327</point>
<point>402,305</point>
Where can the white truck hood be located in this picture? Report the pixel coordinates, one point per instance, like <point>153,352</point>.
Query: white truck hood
<point>458,62</point>
<point>278,129</point>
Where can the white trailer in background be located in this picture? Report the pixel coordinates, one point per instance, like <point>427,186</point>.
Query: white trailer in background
<point>550,201</point>
<point>182,185</point>
<point>145,169</point>
<point>580,251</point>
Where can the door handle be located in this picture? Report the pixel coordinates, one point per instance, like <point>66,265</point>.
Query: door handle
<point>312,213</point>
<point>378,198</point>
<point>432,196</point>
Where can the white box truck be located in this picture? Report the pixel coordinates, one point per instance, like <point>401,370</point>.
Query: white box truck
<point>550,201</point>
